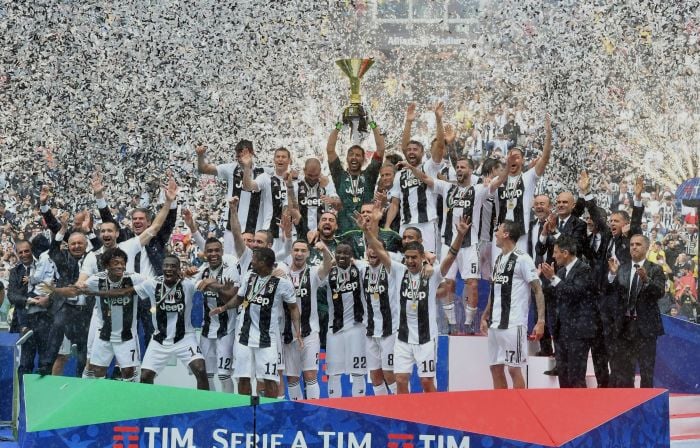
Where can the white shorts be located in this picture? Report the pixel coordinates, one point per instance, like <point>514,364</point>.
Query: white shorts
<point>420,355</point>
<point>218,354</point>
<point>158,355</point>
<point>280,353</point>
<point>65,347</point>
<point>304,360</point>
<point>346,351</point>
<point>255,362</point>
<point>92,332</point>
<point>429,233</point>
<point>380,353</point>
<point>467,262</point>
<point>508,346</point>
<point>127,353</point>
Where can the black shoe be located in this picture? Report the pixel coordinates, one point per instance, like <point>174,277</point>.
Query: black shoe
<point>553,372</point>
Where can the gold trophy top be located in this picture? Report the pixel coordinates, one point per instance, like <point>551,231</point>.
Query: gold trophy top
<point>354,69</point>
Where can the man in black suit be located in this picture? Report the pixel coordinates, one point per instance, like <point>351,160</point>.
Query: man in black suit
<point>575,323</point>
<point>542,208</point>
<point>637,285</point>
<point>565,223</point>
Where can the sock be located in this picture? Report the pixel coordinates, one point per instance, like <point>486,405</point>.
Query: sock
<point>379,390</point>
<point>450,313</point>
<point>392,388</point>
<point>226,384</point>
<point>334,388</point>
<point>294,391</point>
<point>469,313</point>
<point>89,374</point>
<point>358,385</point>
<point>210,379</point>
<point>280,389</point>
<point>313,391</point>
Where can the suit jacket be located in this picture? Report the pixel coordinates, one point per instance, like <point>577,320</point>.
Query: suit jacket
<point>575,305</point>
<point>574,227</point>
<point>644,300</point>
<point>597,257</point>
<point>622,242</point>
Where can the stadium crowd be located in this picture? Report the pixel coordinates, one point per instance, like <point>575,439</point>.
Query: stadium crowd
<point>284,255</point>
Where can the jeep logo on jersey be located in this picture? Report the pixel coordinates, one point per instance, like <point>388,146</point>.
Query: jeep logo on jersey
<point>347,287</point>
<point>302,292</point>
<point>259,300</point>
<point>411,295</point>
<point>117,301</point>
<point>461,203</point>
<point>501,279</point>
<point>360,190</point>
<point>371,289</point>
<point>172,307</point>
<point>510,194</point>
<point>310,202</point>
<point>410,182</point>
<point>281,195</point>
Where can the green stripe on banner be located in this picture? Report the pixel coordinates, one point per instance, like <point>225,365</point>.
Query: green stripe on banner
<point>59,402</point>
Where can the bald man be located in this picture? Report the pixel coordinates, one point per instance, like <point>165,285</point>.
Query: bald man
<point>563,223</point>
<point>313,194</point>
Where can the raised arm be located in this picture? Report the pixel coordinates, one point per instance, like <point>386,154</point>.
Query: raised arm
<point>202,165</point>
<point>246,161</point>
<point>408,124</point>
<point>51,221</point>
<point>438,149</point>
<point>499,180</point>
<point>191,224</point>
<point>332,141</point>
<point>235,224</point>
<point>378,137</point>
<point>170,197</point>
<point>547,150</point>
<point>327,262</point>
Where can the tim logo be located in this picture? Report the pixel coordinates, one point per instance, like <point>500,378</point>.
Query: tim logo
<point>400,441</point>
<point>125,437</point>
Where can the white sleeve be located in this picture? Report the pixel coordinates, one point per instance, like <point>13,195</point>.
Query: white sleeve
<point>92,283</point>
<point>286,289</point>
<point>395,191</point>
<point>313,274</point>
<point>90,264</point>
<point>528,269</point>
<point>146,289</point>
<point>441,187</point>
<point>330,189</point>
<point>199,240</point>
<point>262,182</point>
<point>431,168</point>
<point>530,179</point>
<point>225,171</point>
<point>231,273</point>
<point>244,285</point>
<point>132,246</point>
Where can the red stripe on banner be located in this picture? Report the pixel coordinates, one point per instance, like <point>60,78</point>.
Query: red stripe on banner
<point>136,438</point>
<point>401,436</point>
<point>117,445</point>
<point>117,437</point>
<point>126,429</point>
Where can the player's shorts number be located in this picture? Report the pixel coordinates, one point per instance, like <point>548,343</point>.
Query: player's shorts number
<point>359,362</point>
<point>428,366</point>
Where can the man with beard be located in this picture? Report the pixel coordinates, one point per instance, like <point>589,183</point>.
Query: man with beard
<point>345,344</point>
<point>150,259</point>
<point>170,299</point>
<point>312,196</point>
<point>300,360</point>
<point>218,331</point>
<point>514,200</point>
<point>132,247</point>
<point>411,198</point>
<point>261,295</point>
<point>254,213</point>
<point>273,188</point>
<point>380,280</point>
<point>354,186</point>
<point>417,331</point>
<point>356,238</point>
<point>386,181</point>
<point>463,200</point>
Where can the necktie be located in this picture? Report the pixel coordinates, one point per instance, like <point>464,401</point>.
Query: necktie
<point>561,225</point>
<point>633,292</point>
